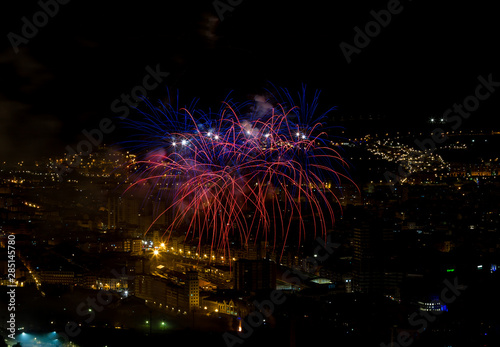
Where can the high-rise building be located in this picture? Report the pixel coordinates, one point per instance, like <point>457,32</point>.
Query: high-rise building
<point>373,269</point>
<point>192,288</point>
<point>113,203</point>
<point>156,238</point>
<point>367,267</point>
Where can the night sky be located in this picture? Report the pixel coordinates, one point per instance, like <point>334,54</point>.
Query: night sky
<point>66,77</point>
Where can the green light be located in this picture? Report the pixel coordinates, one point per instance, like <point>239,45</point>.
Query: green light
<point>450,270</point>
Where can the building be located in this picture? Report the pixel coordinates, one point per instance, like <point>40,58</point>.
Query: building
<point>192,289</point>
<point>112,283</point>
<point>218,273</point>
<point>373,271</point>
<point>432,304</point>
<point>367,267</point>
<point>65,278</point>
<point>225,304</point>
<point>175,294</point>
<point>134,246</point>
<point>254,275</point>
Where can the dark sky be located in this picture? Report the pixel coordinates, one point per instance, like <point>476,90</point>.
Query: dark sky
<point>66,77</point>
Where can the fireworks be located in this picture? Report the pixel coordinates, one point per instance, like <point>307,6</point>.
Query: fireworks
<point>250,170</point>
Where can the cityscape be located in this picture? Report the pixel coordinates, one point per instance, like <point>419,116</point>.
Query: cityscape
<point>233,195</point>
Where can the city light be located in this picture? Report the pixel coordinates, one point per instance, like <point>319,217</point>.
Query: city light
<point>342,220</point>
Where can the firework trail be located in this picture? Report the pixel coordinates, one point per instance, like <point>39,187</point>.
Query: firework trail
<point>252,169</point>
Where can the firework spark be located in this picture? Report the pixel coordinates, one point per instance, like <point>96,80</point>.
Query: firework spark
<point>250,170</point>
